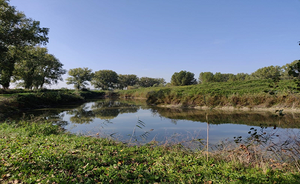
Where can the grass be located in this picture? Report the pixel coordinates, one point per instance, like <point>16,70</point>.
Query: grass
<point>39,152</point>
<point>255,93</point>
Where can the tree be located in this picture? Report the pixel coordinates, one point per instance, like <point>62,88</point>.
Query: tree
<point>37,68</point>
<point>16,31</point>
<point>232,78</point>
<point>206,77</point>
<point>269,72</point>
<point>183,78</point>
<point>105,79</point>
<point>289,71</point>
<point>79,77</point>
<point>242,76</point>
<point>150,82</point>
<point>294,69</point>
<point>127,80</point>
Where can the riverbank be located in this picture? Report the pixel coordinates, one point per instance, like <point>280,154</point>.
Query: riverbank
<point>245,95</point>
<point>42,152</point>
<point>16,101</point>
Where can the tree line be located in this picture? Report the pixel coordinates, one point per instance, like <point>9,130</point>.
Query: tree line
<point>288,71</point>
<point>23,60</point>
<point>109,80</point>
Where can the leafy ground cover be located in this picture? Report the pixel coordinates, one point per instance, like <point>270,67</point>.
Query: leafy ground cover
<point>42,153</point>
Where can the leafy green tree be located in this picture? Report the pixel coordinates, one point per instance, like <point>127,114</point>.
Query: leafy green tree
<point>105,79</point>
<point>37,68</point>
<point>183,78</point>
<point>150,82</point>
<point>79,77</point>
<point>16,31</point>
<point>49,71</point>
<point>232,78</point>
<point>291,70</point>
<point>206,77</point>
<point>218,77</point>
<point>242,76</point>
<point>269,72</point>
<point>127,80</point>
<point>294,71</point>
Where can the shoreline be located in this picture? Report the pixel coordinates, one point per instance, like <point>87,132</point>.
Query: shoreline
<point>232,108</point>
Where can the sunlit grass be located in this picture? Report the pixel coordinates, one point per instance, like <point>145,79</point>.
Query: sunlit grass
<point>41,152</point>
<point>255,93</point>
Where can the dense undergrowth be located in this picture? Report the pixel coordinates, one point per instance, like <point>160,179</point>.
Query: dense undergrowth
<point>255,93</point>
<point>43,153</point>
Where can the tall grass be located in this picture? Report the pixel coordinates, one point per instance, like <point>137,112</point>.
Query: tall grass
<point>255,93</point>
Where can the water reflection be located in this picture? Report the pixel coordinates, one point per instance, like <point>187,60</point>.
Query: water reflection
<point>134,121</point>
<point>81,114</point>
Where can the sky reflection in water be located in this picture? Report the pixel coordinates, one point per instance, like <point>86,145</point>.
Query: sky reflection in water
<point>127,120</point>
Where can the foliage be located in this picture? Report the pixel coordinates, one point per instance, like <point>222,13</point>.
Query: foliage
<point>239,94</point>
<point>269,72</point>
<point>183,78</point>
<point>127,80</point>
<point>294,69</point>
<point>105,79</point>
<point>36,68</point>
<point>79,77</point>
<point>41,152</point>
<point>149,82</point>
<point>206,77</point>
<point>16,31</point>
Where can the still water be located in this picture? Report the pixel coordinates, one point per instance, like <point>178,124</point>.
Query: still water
<point>135,121</point>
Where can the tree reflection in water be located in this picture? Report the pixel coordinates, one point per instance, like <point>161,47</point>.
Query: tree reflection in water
<point>81,114</point>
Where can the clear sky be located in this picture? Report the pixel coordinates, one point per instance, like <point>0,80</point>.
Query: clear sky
<point>155,38</point>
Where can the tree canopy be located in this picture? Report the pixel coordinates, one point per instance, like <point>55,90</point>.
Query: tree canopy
<point>127,80</point>
<point>105,79</point>
<point>269,72</point>
<point>294,69</point>
<point>150,82</point>
<point>79,77</point>
<point>206,77</point>
<point>16,31</point>
<point>36,67</point>
<point>183,78</point>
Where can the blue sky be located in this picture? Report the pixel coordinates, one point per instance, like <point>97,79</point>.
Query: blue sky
<point>155,38</point>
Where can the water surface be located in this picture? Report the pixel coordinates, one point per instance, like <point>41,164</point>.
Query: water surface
<point>136,122</point>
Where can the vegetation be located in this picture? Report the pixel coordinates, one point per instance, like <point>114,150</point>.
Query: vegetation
<point>16,101</point>
<point>151,82</point>
<point>79,77</point>
<point>16,32</point>
<point>41,152</point>
<point>127,80</point>
<point>105,79</point>
<point>252,93</point>
<point>36,67</point>
<point>183,78</point>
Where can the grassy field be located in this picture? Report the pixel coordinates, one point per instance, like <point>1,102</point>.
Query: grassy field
<point>255,93</point>
<point>43,153</point>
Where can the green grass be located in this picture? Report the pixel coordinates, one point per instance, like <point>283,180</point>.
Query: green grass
<point>255,93</point>
<point>41,152</point>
